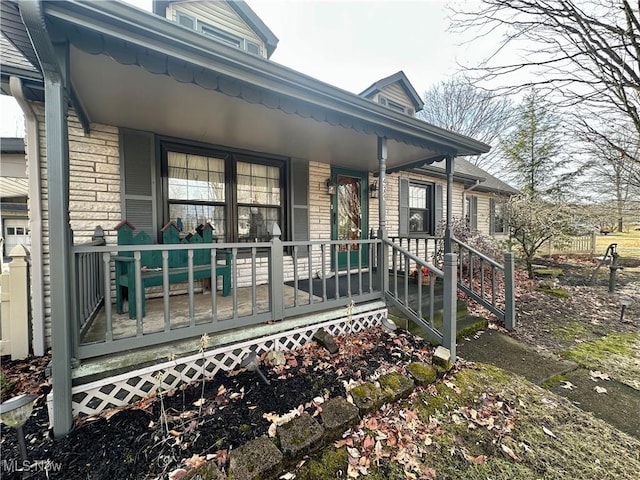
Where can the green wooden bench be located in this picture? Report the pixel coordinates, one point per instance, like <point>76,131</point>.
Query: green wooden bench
<point>151,263</point>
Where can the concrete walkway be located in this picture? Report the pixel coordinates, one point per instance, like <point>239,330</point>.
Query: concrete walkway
<point>620,406</point>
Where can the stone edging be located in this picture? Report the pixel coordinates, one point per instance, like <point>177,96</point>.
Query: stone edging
<point>263,459</point>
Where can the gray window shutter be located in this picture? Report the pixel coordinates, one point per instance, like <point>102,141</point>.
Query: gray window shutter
<point>403,200</point>
<point>438,207</point>
<point>138,184</point>
<point>299,191</point>
<point>473,214</point>
<point>492,216</point>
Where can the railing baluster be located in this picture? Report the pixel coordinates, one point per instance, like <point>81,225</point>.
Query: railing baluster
<point>295,275</point>
<point>482,278</point>
<point>324,270</point>
<point>254,287</point>
<point>234,276</point>
<point>360,269</point>
<point>493,285</point>
<point>420,292</point>
<point>349,270</point>
<point>372,253</point>
<point>192,315</point>
<point>395,263</point>
<point>106,257</point>
<point>165,290</point>
<point>432,282</point>
<point>214,285</point>
<point>406,281</point>
<point>138,293</point>
<point>309,271</point>
<point>336,270</point>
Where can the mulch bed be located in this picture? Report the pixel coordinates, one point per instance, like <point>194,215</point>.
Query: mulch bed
<point>168,431</point>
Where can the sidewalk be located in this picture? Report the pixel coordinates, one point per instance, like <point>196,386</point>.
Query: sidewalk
<point>619,406</point>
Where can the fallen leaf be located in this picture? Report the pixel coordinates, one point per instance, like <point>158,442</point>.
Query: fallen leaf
<point>510,453</point>
<point>199,402</point>
<point>549,432</point>
<point>600,389</point>
<point>288,476</point>
<point>368,443</point>
<point>568,385</point>
<point>177,474</point>
<point>598,375</point>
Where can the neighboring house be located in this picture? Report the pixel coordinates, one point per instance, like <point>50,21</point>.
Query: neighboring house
<point>177,120</point>
<point>14,191</point>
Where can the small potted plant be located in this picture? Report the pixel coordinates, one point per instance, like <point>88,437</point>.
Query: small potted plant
<point>426,278</point>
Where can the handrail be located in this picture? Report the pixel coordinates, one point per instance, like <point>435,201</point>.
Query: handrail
<point>418,260</point>
<point>477,253</point>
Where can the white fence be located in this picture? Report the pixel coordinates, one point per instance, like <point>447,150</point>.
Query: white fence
<point>14,305</point>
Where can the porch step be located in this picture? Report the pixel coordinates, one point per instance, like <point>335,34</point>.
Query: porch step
<point>465,324</point>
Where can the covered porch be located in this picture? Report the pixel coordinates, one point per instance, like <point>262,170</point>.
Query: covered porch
<point>166,86</point>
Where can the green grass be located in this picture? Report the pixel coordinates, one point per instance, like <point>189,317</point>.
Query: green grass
<point>579,446</point>
<point>617,355</point>
<point>628,243</point>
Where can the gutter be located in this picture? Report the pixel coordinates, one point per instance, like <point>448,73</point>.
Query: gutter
<point>35,214</point>
<point>464,194</point>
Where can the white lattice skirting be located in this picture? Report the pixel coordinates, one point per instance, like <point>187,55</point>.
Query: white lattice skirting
<point>92,398</point>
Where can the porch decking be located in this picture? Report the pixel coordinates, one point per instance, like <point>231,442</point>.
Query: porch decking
<point>154,322</point>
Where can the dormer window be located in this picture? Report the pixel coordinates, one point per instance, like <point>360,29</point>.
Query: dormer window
<point>186,20</point>
<point>227,38</point>
<point>384,101</point>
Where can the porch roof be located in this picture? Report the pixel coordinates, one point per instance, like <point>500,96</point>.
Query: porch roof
<point>133,69</point>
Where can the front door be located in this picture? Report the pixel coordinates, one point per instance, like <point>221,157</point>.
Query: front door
<point>349,212</point>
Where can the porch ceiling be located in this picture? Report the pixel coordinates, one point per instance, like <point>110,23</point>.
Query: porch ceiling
<point>130,96</point>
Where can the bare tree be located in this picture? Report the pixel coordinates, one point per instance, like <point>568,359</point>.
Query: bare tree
<point>458,105</point>
<point>584,53</point>
<point>610,174</point>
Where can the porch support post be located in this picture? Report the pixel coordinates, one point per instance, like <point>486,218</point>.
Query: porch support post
<point>383,256</point>
<point>450,306</point>
<point>447,230</point>
<point>276,274</point>
<point>54,61</point>
<point>509,291</point>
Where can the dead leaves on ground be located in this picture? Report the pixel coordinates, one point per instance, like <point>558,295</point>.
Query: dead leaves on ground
<point>399,434</point>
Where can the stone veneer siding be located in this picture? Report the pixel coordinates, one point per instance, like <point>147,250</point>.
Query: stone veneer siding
<point>94,189</point>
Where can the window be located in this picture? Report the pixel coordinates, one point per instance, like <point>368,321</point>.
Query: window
<point>420,207</point>
<point>240,196</point>
<point>224,37</point>
<point>471,212</point>
<point>390,104</point>
<point>186,20</point>
<point>498,217</point>
<point>253,48</point>
<point>420,213</point>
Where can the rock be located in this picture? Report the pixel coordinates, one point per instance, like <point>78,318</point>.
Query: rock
<point>325,339</point>
<point>422,373</point>
<point>442,360</point>
<point>397,385</point>
<point>300,436</point>
<point>337,416</point>
<point>257,459</point>
<point>208,471</point>
<point>275,357</point>
<point>367,397</point>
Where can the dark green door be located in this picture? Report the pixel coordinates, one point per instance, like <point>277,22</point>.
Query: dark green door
<point>349,211</point>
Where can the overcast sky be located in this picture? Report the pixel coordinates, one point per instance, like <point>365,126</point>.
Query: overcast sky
<point>349,44</point>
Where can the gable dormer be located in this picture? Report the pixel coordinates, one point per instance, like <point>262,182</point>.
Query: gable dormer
<point>232,23</point>
<point>396,93</point>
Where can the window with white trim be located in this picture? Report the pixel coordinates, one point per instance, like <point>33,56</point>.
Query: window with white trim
<point>241,196</point>
<point>498,217</point>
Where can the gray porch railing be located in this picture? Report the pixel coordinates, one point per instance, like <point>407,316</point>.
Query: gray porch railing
<point>414,305</point>
<point>274,266</point>
<point>422,246</point>
<point>88,293</point>
<point>486,281</point>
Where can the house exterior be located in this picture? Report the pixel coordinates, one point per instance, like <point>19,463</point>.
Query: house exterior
<point>189,125</point>
<point>14,220</point>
